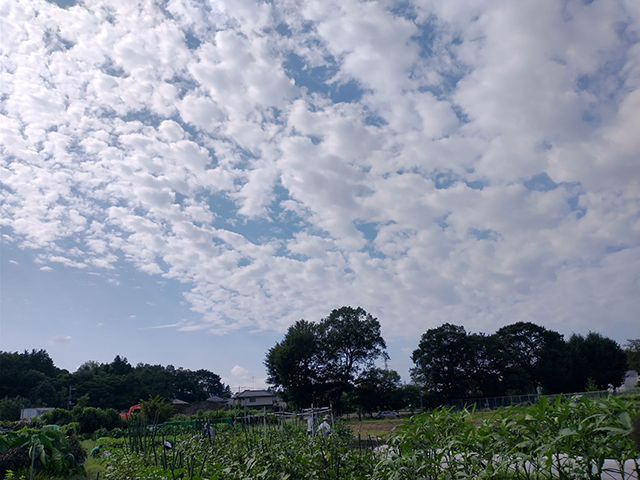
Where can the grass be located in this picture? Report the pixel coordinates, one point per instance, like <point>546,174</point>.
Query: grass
<point>92,465</point>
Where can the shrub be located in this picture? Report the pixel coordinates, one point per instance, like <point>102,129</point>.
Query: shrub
<point>156,409</point>
<point>58,416</point>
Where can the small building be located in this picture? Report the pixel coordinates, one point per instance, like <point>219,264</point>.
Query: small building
<point>28,414</point>
<point>255,398</point>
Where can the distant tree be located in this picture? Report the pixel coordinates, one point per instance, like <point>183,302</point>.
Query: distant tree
<point>379,389</point>
<point>442,362</point>
<point>321,362</point>
<point>292,364</point>
<point>598,358</point>
<point>30,374</point>
<point>210,383</point>
<point>411,397</point>
<point>119,366</point>
<point>632,349</point>
<point>349,342</point>
<point>10,407</point>
<point>486,366</point>
<point>532,355</point>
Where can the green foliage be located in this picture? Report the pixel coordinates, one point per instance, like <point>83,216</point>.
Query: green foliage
<point>32,380</point>
<point>567,439</point>
<point>442,362</point>
<point>91,419</point>
<point>451,364</point>
<point>57,416</point>
<point>46,450</point>
<point>598,358</point>
<point>10,407</point>
<point>292,364</point>
<point>156,409</point>
<point>318,363</point>
<point>378,389</point>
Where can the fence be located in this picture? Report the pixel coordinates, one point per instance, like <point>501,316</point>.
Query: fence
<point>490,403</point>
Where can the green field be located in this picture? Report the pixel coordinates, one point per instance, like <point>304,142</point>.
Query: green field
<point>575,438</point>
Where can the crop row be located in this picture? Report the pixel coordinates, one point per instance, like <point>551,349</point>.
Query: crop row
<point>567,439</point>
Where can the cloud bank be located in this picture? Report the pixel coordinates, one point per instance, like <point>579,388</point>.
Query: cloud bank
<point>430,161</point>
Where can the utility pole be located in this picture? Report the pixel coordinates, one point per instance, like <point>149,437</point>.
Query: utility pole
<point>69,401</point>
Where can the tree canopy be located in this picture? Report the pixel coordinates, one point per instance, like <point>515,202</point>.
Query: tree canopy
<point>33,377</point>
<point>518,359</point>
<point>320,362</point>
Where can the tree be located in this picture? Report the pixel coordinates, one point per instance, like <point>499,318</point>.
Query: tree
<point>321,362</point>
<point>379,389</point>
<point>532,355</point>
<point>598,358</point>
<point>442,362</point>
<point>349,342</point>
<point>292,364</point>
<point>486,370</point>
<point>632,349</point>
<point>156,409</point>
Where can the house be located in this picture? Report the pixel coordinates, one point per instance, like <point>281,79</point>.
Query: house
<point>28,414</point>
<point>255,398</point>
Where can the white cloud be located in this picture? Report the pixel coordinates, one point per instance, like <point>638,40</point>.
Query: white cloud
<point>182,145</point>
<point>238,371</point>
<point>59,340</point>
<point>46,269</point>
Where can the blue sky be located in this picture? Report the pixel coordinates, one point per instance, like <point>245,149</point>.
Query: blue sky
<point>183,180</point>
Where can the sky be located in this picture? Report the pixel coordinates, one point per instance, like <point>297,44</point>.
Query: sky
<point>182,180</point>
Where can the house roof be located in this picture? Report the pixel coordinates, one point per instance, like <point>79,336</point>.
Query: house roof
<point>254,393</point>
<point>176,401</point>
<point>216,399</point>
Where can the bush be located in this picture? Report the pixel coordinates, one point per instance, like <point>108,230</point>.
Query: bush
<point>92,419</point>
<point>72,428</point>
<point>10,408</point>
<point>52,452</point>
<point>58,416</point>
<point>156,409</point>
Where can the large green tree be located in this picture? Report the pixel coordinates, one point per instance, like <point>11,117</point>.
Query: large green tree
<point>349,343</point>
<point>292,364</point>
<point>443,362</point>
<point>321,362</point>
<point>598,358</point>
<point>532,355</point>
<point>379,389</point>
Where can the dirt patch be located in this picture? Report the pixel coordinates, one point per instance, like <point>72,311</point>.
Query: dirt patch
<point>375,428</point>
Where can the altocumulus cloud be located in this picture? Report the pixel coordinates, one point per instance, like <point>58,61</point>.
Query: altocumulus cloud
<point>431,161</point>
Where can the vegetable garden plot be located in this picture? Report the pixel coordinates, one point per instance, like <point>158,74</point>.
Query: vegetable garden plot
<point>573,439</point>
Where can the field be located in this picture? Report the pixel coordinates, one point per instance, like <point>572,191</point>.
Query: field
<point>572,439</point>
<point>575,438</point>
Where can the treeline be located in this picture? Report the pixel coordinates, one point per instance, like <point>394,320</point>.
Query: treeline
<point>334,361</point>
<point>30,379</point>
<point>523,358</point>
